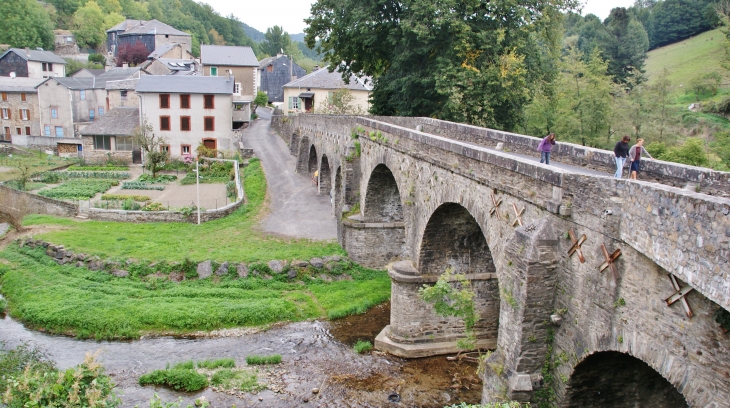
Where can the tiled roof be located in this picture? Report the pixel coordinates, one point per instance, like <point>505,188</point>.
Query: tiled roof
<point>185,84</point>
<point>125,25</point>
<point>123,84</point>
<point>98,82</point>
<point>175,64</point>
<point>36,55</point>
<point>29,85</point>
<point>228,56</point>
<point>117,74</point>
<point>163,48</point>
<point>120,121</point>
<point>76,83</point>
<point>92,71</point>
<point>323,79</point>
<point>153,27</point>
<point>266,61</point>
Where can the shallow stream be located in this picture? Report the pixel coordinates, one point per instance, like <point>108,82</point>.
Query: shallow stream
<point>316,355</point>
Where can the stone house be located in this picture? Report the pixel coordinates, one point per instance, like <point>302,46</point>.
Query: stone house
<point>169,66</point>
<point>153,34</point>
<point>172,50</point>
<point>29,63</point>
<point>65,42</point>
<point>239,63</point>
<point>274,73</point>
<point>112,136</point>
<point>122,94</point>
<point>313,91</point>
<point>19,108</point>
<point>188,111</point>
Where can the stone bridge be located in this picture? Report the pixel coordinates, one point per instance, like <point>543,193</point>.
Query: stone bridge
<point>423,196</point>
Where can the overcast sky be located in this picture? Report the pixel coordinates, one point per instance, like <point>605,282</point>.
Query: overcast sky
<point>290,14</point>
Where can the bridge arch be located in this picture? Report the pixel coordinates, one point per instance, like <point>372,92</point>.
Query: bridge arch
<point>382,197</point>
<point>312,161</point>
<point>325,176</point>
<point>303,155</point>
<point>616,379</point>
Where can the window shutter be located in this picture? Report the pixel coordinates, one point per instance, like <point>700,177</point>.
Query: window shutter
<point>300,105</point>
<point>290,100</point>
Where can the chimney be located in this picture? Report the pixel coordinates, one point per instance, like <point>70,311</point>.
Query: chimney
<point>228,75</point>
<point>125,65</point>
<point>27,51</point>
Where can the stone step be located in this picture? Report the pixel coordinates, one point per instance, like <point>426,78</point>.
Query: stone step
<point>82,216</point>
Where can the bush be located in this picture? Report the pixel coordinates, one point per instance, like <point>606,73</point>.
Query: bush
<point>263,360</point>
<point>122,197</point>
<point>137,185</point>
<point>362,346</point>
<point>130,205</point>
<point>177,379</point>
<point>162,178</point>
<point>154,207</point>
<point>221,362</point>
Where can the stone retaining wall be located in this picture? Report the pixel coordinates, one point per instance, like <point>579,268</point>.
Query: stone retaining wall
<point>35,204</point>
<point>373,245</point>
<point>162,216</point>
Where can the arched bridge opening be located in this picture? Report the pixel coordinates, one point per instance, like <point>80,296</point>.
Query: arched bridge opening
<point>382,199</point>
<point>618,380</point>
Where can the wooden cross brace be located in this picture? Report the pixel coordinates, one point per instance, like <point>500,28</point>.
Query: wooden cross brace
<point>496,203</point>
<point>576,245</point>
<point>610,261</point>
<point>680,294</point>
<point>518,215</point>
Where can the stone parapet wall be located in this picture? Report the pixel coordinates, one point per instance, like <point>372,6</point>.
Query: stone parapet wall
<point>35,204</point>
<point>161,216</point>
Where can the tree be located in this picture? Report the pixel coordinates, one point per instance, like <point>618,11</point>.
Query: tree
<point>661,97</point>
<point>25,23</point>
<point>150,143</point>
<point>216,38</point>
<point>275,41</point>
<point>261,99</point>
<point>474,61</point>
<point>339,102</point>
<point>625,46</point>
<point>132,54</point>
<point>88,25</point>
<point>691,152</point>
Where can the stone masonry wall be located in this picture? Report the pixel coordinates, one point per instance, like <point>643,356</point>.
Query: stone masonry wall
<point>162,216</point>
<point>374,245</point>
<point>35,204</point>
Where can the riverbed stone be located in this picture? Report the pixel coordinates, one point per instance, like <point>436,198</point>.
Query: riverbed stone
<point>299,263</point>
<point>79,264</point>
<point>317,262</point>
<point>222,270</point>
<point>205,269</point>
<point>276,266</point>
<point>242,270</point>
<point>292,273</point>
<point>120,273</point>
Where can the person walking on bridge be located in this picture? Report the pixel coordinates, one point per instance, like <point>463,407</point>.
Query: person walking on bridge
<point>635,157</point>
<point>545,146</point>
<point>621,151</point>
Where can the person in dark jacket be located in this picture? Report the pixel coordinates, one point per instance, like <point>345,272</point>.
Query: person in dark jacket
<point>635,156</point>
<point>621,151</point>
<point>545,146</point>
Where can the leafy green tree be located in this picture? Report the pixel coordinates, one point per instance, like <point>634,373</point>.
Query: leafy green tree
<point>691,152</point>
<point>661,96</point>
<point>262,99</point>
<point>135,9</point>
<point>74,65</point>
<point>675,20</point>
<point>275,41</point>
<point>625,46</point>
<point>88,25</point>
<point>145,138</point>
<point>25,24</point>
<point>339,102</point>
<point>705,85</point>
<point>472,61</point>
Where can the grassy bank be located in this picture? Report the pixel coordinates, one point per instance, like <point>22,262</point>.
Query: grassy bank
<point>229,239</point>
<point>87,304</point>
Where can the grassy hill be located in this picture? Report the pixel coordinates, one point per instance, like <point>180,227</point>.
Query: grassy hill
<point>690,58</point>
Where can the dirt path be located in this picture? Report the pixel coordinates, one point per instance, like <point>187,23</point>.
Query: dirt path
<point>295,209</point>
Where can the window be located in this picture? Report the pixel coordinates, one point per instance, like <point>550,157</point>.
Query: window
<point>101,111</point>
<point>69,40</point>
<point>209,123</point>
<point>59,131</point>
<point>22,97</point>
<point>27,130</point>
<point>237,88</point>
<point>210,144</point>
<point>164,101</point>
<point>92,113</point>
<point>46,130</point>
<point>238,106</point>
<point>47,66</point>
<point>54,113</point>
<point>184,101</point>
<point>82,95</point>
<point>270,68</point>
<point>185,149</point>
<point>185,123</point>
<point>213,71</point>
<point>209,101</point>
<point>124,95</point>
<point>164,123</point>
<point>24,114</point>
<point>102,143</point>
<point>18,131</point>
<point>124,143</point>
<point>50,66</point>
<point>6,113</point>
<point>165,149</point>
<point>5,96</point>
<point>293,102</point>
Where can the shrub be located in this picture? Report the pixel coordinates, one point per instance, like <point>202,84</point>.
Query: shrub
<point>130,205</point>
<point>185,365</point>
<point>362,346</point>
<point>122,197</point>
<point>162,178</point>
<point>154,207</point>
<point>177,379</point>
<point>136,185</point>
<point>213,364</point>
<point>263,360</point>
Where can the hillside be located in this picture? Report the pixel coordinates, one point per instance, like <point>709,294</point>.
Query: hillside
<point>252,33</point>
<point>689,58</point>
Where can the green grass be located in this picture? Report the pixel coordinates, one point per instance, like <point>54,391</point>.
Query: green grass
<point>688,59</point>
<point>236,379</point>
<point>35,162</point>
<point>362,346</point>
<point>219,363</point>
<point>263,360</point>
<point>233,238</point>
<point>177,379</point>
<point>86,304</point>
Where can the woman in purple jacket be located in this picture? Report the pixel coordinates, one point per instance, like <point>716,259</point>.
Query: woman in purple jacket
<point>545,147</point>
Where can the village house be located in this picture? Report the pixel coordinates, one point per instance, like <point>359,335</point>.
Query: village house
<point>113,137</point>
<point>122,94</point>
<point>312,93</point>
<point>239,63</point>
<point>29,63</point>
<point>153,34</point>
<point>188,111</point>
<point>274,73</point>
<point>19,107</point>
<point>65,43</point>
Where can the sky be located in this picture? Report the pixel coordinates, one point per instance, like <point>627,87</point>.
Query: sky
<point>290,14</point>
